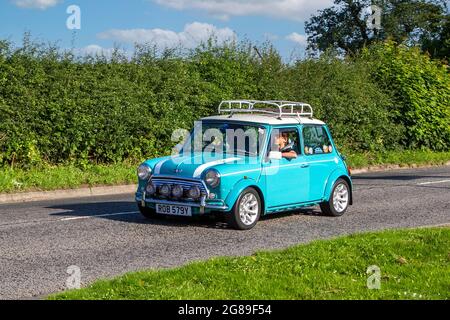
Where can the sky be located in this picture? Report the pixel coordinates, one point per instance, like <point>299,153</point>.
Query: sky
<point>93,26</point>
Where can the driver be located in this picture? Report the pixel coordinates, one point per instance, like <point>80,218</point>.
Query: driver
<point>285,146</point>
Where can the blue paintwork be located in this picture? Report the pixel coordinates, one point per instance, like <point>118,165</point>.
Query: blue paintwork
<point>305,181</point>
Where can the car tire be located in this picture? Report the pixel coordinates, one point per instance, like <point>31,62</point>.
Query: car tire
<point>148,213</point>
<point>339,200</point>
<point>246,211</point>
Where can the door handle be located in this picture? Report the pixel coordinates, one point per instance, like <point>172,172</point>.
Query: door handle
<point>304,165</point>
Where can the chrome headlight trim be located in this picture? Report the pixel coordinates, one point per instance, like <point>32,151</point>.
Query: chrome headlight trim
<point>212,178</point>
<point>144,172</point>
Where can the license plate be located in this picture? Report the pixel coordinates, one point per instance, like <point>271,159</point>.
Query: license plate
<point>173,210</point>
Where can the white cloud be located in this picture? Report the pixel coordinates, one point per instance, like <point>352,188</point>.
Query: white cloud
<point>192,35</point>
<point>298,10</point>
<point>36,4</point>
<point>94,50</point>
<point>298,38</point>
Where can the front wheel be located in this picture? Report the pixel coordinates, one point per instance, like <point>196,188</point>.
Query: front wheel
<point>246,211</point>
<point>339,200</point>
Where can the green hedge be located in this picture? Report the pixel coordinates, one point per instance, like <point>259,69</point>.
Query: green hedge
<point>56,108</point>
<point>420,89</point>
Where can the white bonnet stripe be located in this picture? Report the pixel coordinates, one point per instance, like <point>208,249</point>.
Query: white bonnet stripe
<point>198,172</point>
<point>159,165</point>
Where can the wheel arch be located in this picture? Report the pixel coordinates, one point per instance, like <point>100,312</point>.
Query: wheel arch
<point>261,197</point>
<point>350,185</point>
<point>335,176</point>
<point>240,187</point>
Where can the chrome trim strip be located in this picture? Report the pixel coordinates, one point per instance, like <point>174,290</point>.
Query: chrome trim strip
<point>241,172</point>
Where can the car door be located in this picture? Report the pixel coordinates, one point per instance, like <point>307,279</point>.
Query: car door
<point>284,178</point>
<point>320,156</point>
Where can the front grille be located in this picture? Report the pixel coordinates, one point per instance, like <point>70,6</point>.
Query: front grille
<point>186,184</point>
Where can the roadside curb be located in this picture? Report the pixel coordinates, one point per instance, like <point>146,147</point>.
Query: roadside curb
<point>381,168</point>
<point>66,194</point>
<point>124,189</point>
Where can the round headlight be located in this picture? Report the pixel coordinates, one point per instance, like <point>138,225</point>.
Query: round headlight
<point>165,190</point>
<point>194,192</point>
<point>177,191</point>
<point>212,178</point>
<point>144,172</point>
<point>151,190</point>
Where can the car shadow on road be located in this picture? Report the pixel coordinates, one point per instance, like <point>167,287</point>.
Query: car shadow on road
<point>126,211</point>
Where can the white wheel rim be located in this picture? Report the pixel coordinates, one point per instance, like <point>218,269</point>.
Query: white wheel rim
<point>248,209</point>
<point>340,198</point>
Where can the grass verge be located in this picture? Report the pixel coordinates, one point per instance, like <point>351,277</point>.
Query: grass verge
<point>414,264</point>
<point>65,177</point>
<point>70,177</point>
<point>402,158</point>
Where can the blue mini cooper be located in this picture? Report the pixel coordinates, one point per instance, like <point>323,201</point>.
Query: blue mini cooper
<point>254,158</point>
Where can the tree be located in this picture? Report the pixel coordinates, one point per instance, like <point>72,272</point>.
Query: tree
<point>439,46</point>
<point>344,26</point>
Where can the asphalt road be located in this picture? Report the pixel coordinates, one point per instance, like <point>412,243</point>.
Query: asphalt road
<point>105,236</point>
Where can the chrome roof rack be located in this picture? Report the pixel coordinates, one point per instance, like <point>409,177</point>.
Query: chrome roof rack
<point>279,109</point>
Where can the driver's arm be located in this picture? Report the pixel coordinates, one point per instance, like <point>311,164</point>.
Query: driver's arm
<point>289,155</point>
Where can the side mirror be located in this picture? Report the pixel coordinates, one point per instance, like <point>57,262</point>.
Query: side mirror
<point>275,155</point>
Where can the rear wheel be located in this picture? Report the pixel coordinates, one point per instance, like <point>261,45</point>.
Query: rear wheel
<point>148,213</point>
<point>339,200</point>
<point>246,211</point>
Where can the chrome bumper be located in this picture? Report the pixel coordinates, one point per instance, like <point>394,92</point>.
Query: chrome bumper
<point>202,205</point>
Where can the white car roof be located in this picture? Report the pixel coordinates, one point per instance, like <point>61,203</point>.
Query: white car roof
<point>265,119</point>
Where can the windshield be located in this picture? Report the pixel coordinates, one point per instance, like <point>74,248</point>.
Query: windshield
<point>226,138</point>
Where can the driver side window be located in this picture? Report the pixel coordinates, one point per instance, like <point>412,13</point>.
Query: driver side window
<point>316,140</point>
<point>286,141</point>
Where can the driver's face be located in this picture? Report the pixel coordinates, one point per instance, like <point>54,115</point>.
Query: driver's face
<point>281,140</point>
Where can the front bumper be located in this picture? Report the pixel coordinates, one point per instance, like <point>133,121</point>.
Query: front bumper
<point>202,207</point>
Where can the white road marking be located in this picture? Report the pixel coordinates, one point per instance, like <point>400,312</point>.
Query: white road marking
<point>432,182</point>
<point>98,216</point>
